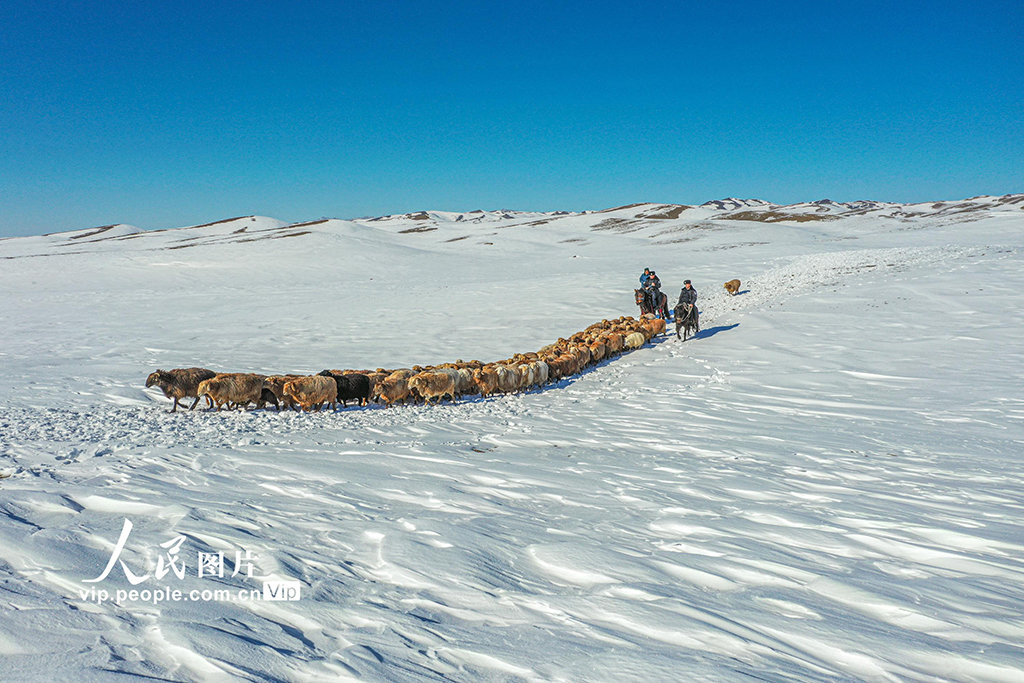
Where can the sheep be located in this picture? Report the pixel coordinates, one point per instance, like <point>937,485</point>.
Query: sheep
<point>634,340</point>
<point>465,383</point>
<point>402,373</point>
<point>654,327</point>
<point>451,372</point>
<point>732,286</point>
<point>526,377</point>
<point>583,352</point>
<point>540,372</point>
<point>312,391</point>
<point>267,396</point>
<point>615,342</point>
<point>508,378</point>
<point>275,385</point>
<point>350,385</point>
<point>392,389</point>
<point>234,389</point>
<point>375,379</point>
<point>486,379</point>
<point>556,371</point>
<point>180,383</point>
<point>433,385</point>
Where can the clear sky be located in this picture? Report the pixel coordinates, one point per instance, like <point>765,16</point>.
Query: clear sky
<point>167,114</point>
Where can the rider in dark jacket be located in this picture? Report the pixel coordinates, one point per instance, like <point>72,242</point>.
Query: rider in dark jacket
<point>688,295</point>
<point>688,302</point>
<point>652,287</point>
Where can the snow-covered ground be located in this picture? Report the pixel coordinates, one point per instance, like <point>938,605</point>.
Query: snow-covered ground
<point>824,485</point>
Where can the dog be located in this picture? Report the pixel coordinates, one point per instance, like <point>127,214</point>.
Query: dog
<point>732,286</point>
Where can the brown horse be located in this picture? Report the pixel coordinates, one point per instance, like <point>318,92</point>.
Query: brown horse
<point>659,308</point>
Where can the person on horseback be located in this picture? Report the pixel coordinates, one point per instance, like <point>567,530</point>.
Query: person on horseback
<point>652,289</point>
<point>688,299</point>
<point>645,277</point>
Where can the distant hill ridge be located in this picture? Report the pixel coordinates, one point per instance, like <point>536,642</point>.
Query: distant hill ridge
<point>663,223</point>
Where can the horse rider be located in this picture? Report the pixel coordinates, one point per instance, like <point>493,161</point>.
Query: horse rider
<point>645,277</point>
<point>652,288</point>
<point>688,297</point>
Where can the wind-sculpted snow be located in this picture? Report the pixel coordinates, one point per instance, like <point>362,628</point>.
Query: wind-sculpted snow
<point>823,485</point>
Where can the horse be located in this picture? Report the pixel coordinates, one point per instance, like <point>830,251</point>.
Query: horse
<point>687,320</point>
<point>660,308</point>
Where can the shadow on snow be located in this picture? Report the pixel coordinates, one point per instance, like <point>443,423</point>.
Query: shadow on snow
<point>712,331</point>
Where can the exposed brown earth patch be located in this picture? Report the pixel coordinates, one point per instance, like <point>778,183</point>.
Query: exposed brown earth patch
<point>63,232</point>
<point>308,223</point>
<point>674,212</point>
<point>206,225</point>
<point>96,231</point>
<point>419,229</point>
<point>726,247</point>
<point>619,226</point>
<point>275,237</point>
<point>620,208</point>
<point>775,217</point>
<point>677,240</point>
<point>691,228</point>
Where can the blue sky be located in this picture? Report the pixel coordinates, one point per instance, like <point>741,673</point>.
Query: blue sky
<point>170,114</point>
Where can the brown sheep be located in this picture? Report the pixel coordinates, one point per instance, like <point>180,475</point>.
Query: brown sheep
<point>375,379</point>
<point>392,389</point>
<point>583,351</point>
<point>486,379</point>
<point>235,389</point>
<point>180,383</point>
<point>403,373</point>
<point>561,366</point>
<point>555,372</point>
<point>461,379</point>
<point>614,341</point>
<point>653,328</point>
<point>312,391</point>
<point>732,286</point>
<point>433,385</point>
<point>275,384</point>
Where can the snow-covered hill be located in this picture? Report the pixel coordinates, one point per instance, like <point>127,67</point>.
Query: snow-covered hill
<point>824,485</point>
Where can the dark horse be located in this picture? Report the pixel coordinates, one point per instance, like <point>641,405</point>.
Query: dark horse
<point>687,320</point>
<point>659,308</point>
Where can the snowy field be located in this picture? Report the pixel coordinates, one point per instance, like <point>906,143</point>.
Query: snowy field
<point>824,485</point>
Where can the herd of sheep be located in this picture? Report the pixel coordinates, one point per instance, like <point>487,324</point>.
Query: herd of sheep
<point>522,371</point>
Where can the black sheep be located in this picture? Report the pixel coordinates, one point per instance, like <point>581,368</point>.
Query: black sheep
<point>351,386</point>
